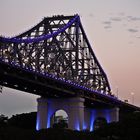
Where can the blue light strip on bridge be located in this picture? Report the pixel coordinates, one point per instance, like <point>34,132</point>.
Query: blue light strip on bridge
<point>44,37</point>
<point>54,77</point>
<point>40,38</point>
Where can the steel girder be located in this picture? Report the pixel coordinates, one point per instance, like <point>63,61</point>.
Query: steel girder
<point>66,54</point>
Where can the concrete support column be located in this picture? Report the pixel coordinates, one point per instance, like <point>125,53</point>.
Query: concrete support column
<point>76,113</point>
<point>87,118</point>
<point>42,113</point>
<point>114,114</point>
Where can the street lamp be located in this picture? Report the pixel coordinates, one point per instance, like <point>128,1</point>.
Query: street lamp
<point>132,94</point>
<point>117,91</point>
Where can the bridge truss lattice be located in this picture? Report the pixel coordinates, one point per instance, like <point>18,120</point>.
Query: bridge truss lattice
<point>59,46</point>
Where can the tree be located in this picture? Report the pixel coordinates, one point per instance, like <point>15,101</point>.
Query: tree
<point>25,120</point>
<point>3,120</point>
<point>60,124</point>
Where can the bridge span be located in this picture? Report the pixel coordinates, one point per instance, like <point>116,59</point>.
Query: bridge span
<point>55,60</point>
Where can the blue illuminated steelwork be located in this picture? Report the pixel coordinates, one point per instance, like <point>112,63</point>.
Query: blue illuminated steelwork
<point>40,38</point>
<point>74,21</point>
<point>54,77</point>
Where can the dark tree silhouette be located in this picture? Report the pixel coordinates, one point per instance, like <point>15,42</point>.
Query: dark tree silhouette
<point>3,120</point>
<point>25,120</point>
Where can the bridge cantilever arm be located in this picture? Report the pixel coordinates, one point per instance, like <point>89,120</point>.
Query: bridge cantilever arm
<point>95,58</point>
<point>40,38</point>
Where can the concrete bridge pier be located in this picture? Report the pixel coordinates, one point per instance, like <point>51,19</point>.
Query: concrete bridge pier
<point>91,115</point>
<point>74,107</point>
<point>79,116</point>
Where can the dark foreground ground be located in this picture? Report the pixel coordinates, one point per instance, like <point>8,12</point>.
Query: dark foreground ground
<point>127,129</point>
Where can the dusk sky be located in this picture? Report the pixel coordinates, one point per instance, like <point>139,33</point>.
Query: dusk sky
<point>112,27</point>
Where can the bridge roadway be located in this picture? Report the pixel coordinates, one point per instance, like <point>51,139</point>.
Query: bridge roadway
<point>47,85</point>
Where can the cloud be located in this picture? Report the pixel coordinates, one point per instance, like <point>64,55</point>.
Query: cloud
<point>91,15</point>
<point>107,27</point>
<point>115,19</point>
<point>107,22</point>
<point>133,30</point>
<point>121,13</point>
<point>133,18</point>
<point>131,42</point>
<point>138,37</point>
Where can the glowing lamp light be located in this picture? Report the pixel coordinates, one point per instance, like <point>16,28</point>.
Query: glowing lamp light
<point>49,119</point>
<point>77,127</point>
<point>37,122</point>
<point>92,120</point>
<point>84,126</point>
<point>37,125</point>
<point>107,115</point>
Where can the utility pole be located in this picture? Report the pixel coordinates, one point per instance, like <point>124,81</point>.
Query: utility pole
<point>117,92</point>
<point>132,94</point>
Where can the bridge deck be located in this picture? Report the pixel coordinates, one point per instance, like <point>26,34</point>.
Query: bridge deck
<point>52,87</point>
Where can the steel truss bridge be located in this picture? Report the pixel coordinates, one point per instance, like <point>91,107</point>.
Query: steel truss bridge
<point>55,59</point>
